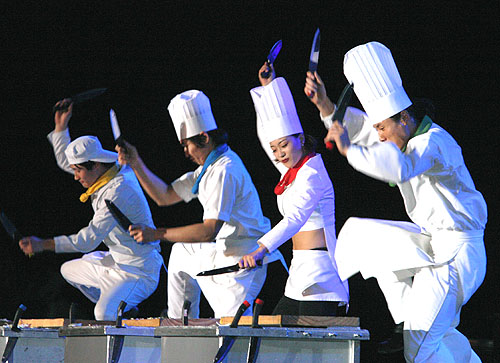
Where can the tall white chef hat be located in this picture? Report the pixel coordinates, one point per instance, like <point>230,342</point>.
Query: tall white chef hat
<point>276,109</point>
<point>373,73</point>
<point>191,114</point>
<point>88,148</point>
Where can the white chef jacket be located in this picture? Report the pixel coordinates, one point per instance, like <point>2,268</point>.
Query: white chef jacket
<point>227,193</point>
<point>123,190</point>
<point>449,217</point>
<point>436,186</point>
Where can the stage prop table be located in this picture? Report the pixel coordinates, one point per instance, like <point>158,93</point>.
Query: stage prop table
<point>135,341</point>
<point>31,345</point>
<point>282,339</point>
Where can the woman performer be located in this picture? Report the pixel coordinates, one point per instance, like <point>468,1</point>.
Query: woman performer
<point>305,199</point>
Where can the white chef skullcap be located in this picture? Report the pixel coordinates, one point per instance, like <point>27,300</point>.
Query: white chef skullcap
<point>276,110</point>
<point>191,114</point>
<point>377,84</point>
<point>88,148</point>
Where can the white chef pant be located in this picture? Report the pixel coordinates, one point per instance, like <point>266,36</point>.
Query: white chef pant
<point>107,287</point>
<point>428,299</point>
<point>225,292</point>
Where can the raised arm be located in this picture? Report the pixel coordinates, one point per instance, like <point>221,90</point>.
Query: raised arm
<point>162,193</point>
<point>59,137</point>
<point>315,90</point>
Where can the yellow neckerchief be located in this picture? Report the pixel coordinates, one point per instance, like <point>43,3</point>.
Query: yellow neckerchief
<point>102,181</point>
<point>424,126</point>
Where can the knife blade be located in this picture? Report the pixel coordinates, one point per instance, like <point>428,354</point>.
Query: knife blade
<point>10,228</point>
<point>118,215</point>
<point>273,53</point>
<point>314,56</point>
<point>342,103</point>
<point>116,128</point>
<point>224,270</point>
<point>79,98</point>
<point>341,108</point>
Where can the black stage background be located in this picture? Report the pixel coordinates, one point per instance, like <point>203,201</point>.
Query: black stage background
<point>147,52</point>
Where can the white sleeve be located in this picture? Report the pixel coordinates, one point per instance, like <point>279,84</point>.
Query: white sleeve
<point>359,128</point>
<point>88,238</point>
<point>384,161</point>
<point>59,142</point>
<point>182,186</point>
<point>302,202</point>
<point>221,189</point>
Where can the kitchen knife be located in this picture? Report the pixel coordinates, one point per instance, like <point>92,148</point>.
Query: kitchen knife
<point>116,129</point>
<point>79,98</point>
<point>10,228</point>
<point>254,342</point>
<point>117,214</point>
<point>314,56</point>
<point>339,113</point>
<point>223,270</point>
<point>228,341</point>
<point>273,53</point>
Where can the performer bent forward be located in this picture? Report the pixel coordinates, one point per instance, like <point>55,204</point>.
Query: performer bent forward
<point>129,271</point>
<point>428,269</point>
<point>232,215</point>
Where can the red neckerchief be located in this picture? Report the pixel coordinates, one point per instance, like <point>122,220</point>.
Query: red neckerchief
<point>290,175</point>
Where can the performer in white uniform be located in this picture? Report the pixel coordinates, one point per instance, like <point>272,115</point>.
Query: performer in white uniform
<point>129,271</point>
<point>428,269</point>
<point>232,215</point>
<point>305,199</point>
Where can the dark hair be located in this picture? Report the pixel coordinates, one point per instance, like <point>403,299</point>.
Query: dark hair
<point>310,143</point>
<point>218,136</point>
<point>419,108</point>
<point>89,165</point>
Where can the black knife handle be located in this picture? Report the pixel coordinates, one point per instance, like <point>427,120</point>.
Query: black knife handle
<point>120,142</point>
<point>119,314</point>
<point>17,317</point>
<point>257,307</point>
<point>239,313</point>
<point>63,106</point>
<point>266,74</point>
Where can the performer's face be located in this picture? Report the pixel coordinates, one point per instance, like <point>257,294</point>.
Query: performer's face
<point>193,152</point>
<point>86,177</point>
<point>394,131</point>
<point>288,150</point>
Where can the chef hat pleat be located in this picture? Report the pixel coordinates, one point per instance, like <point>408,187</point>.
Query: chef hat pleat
<point>376,81</point>
<point>276,110</point>
<point>191,114</point>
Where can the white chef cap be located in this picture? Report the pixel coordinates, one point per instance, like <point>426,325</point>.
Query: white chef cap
<point>276,110</point>
<point>191,114</point>
<point>88,148</point>
<point>377,84</point>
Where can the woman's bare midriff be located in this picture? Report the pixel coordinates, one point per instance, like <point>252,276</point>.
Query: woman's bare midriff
<point>308,240</point>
